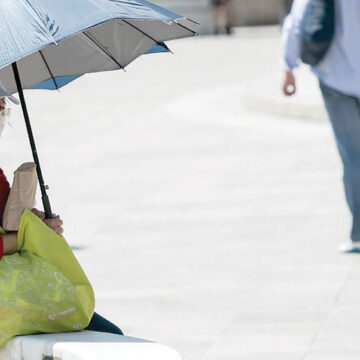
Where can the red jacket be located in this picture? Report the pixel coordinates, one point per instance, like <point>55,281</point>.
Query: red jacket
<point>4,192</point>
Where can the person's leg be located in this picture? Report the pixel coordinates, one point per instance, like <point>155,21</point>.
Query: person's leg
<point>98,323</point>
<point>215,12</point>
<point>344,114</point>
<point>228,27</point>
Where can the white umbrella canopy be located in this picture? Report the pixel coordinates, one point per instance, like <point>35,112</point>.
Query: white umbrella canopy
<point>56,41</point>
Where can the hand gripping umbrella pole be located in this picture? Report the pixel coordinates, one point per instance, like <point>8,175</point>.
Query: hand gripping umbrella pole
<point>44,196</point>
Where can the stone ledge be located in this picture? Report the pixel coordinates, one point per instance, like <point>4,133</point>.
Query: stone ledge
<point>85,345</point>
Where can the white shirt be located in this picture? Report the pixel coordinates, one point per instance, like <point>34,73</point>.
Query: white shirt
<point>340,69</point>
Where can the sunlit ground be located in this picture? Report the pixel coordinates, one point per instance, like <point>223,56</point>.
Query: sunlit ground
<point>205,208</point>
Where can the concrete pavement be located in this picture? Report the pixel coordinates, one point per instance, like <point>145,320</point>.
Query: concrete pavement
<point>205,208</point>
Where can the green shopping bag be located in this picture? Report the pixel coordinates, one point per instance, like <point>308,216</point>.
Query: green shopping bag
<point>43,289</point>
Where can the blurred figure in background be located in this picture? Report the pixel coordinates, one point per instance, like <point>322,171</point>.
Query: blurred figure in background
<point>339,78</point>
<point>287,6</point>
<point>221,16</point>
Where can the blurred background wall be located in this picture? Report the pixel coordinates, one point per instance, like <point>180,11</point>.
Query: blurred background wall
<point>243,12</point>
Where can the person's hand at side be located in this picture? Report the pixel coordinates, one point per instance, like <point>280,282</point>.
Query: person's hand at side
<point>55,223</point>
<point>289,84</point>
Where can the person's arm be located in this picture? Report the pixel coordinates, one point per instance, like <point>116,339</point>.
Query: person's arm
<point>291,45</point>
<point>10,239</point>
<point>9,243</point>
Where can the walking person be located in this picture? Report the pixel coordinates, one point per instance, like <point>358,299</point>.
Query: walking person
<point>339,79</point>
<point>221,16</point>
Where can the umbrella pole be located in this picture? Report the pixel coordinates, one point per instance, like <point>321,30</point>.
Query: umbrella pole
<point>45,198</point>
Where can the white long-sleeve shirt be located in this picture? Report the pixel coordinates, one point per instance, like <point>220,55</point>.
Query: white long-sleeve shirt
<point>340,69</point>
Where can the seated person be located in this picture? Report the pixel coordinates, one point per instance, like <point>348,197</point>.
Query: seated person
<point>9,240</point>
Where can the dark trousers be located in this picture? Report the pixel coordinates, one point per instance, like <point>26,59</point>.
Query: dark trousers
<point>98,323</point>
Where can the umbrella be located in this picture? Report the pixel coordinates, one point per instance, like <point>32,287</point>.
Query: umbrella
<point>45,44</point>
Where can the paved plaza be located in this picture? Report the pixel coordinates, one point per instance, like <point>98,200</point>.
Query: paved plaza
<point>205,208</point>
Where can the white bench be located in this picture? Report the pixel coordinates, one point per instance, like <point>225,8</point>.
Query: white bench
<point>85,345</point>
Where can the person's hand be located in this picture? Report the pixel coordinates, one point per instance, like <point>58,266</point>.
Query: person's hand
<point>55,223</point>
<point>38,213</point>
<point>289,84</point>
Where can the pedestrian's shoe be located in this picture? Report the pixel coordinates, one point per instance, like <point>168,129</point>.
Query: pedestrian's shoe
<point>350,247</point>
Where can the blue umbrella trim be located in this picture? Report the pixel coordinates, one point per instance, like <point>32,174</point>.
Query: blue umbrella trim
<point>60,82</point>
<point>158,49</point>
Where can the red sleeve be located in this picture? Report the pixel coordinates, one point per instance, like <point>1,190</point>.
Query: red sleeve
<point>4,192</point>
